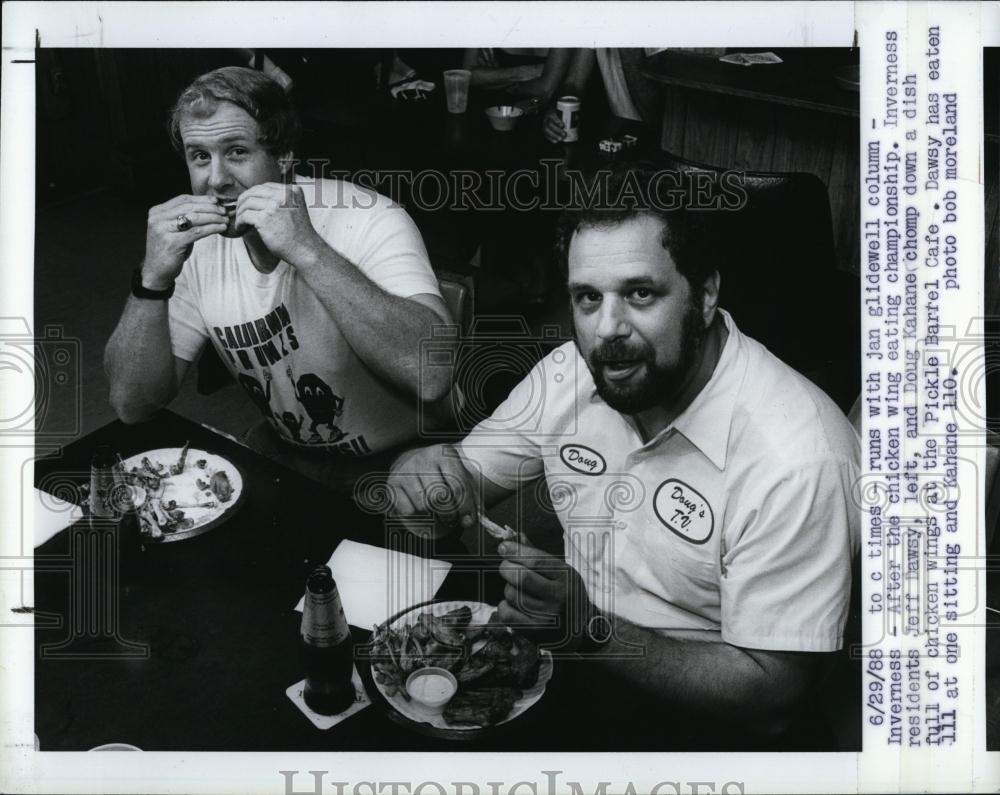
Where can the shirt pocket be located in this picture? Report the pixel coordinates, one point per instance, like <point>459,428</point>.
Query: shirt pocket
<point>683,573</point>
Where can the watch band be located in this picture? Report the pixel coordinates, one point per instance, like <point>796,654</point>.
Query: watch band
<point>144,292</point>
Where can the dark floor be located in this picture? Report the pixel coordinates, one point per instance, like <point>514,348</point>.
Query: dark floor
<point>85,251</point>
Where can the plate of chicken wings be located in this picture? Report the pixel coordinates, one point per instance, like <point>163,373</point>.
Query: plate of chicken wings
<point>500,673</point>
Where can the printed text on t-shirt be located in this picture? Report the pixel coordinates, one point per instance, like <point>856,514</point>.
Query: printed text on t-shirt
<point>270,339</point>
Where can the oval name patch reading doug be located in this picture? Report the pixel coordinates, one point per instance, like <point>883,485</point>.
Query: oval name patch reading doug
<point>582,459</point>
<point>684,511</point>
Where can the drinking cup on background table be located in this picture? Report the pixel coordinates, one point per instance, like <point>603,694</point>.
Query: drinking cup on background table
<point>503,117</point>
<point>569,110</point>
<point>456,89</point>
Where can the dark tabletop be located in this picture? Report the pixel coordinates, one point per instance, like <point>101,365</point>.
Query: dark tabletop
<point>191,646</point>
<point>804,79</point>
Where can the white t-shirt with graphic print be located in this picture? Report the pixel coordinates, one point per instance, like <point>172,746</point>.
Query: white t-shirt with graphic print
<point>736,523</point>
<point>282,344</point>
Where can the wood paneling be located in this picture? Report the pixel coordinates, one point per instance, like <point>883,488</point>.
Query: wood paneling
<point>705,134</point>
<point>755,143</point>
<point>843,186</point>
<point>747,134</point>
<point>674,119</point>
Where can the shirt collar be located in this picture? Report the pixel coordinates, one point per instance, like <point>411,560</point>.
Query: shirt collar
<point>707,420</point>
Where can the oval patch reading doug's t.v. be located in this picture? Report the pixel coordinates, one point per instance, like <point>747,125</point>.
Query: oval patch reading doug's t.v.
<point>684,511</point>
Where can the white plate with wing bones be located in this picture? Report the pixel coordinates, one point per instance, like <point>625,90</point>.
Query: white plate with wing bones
<point>182,492</point>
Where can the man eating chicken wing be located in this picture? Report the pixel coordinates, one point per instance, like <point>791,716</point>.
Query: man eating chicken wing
<point>703,486</point>
<point>315,293</point>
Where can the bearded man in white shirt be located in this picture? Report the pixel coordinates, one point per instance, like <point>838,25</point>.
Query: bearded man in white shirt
<point>704,488</point>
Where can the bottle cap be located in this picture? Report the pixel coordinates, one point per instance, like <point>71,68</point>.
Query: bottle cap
<point>320,580</point>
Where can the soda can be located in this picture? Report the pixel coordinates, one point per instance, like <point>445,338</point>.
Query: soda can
<point>569,110</point>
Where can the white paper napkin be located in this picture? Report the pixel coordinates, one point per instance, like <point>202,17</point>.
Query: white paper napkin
<point>376,583</point>
<point>52,515</point>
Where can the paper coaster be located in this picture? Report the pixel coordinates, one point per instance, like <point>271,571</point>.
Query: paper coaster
<point>361,701</point>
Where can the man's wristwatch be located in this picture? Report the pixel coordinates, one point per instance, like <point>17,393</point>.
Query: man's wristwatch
<point>144,292</point>
<point>596,632</point>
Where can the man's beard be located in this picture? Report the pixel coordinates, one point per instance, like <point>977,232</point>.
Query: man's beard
<point>656,383</point>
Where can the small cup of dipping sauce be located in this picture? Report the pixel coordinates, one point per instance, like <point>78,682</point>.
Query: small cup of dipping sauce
<point>431,688</point>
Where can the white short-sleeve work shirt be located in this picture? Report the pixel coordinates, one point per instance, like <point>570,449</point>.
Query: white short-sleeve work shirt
<point>735,523</point>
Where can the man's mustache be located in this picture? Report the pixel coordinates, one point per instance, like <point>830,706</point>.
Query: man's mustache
<point>619,351</point>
